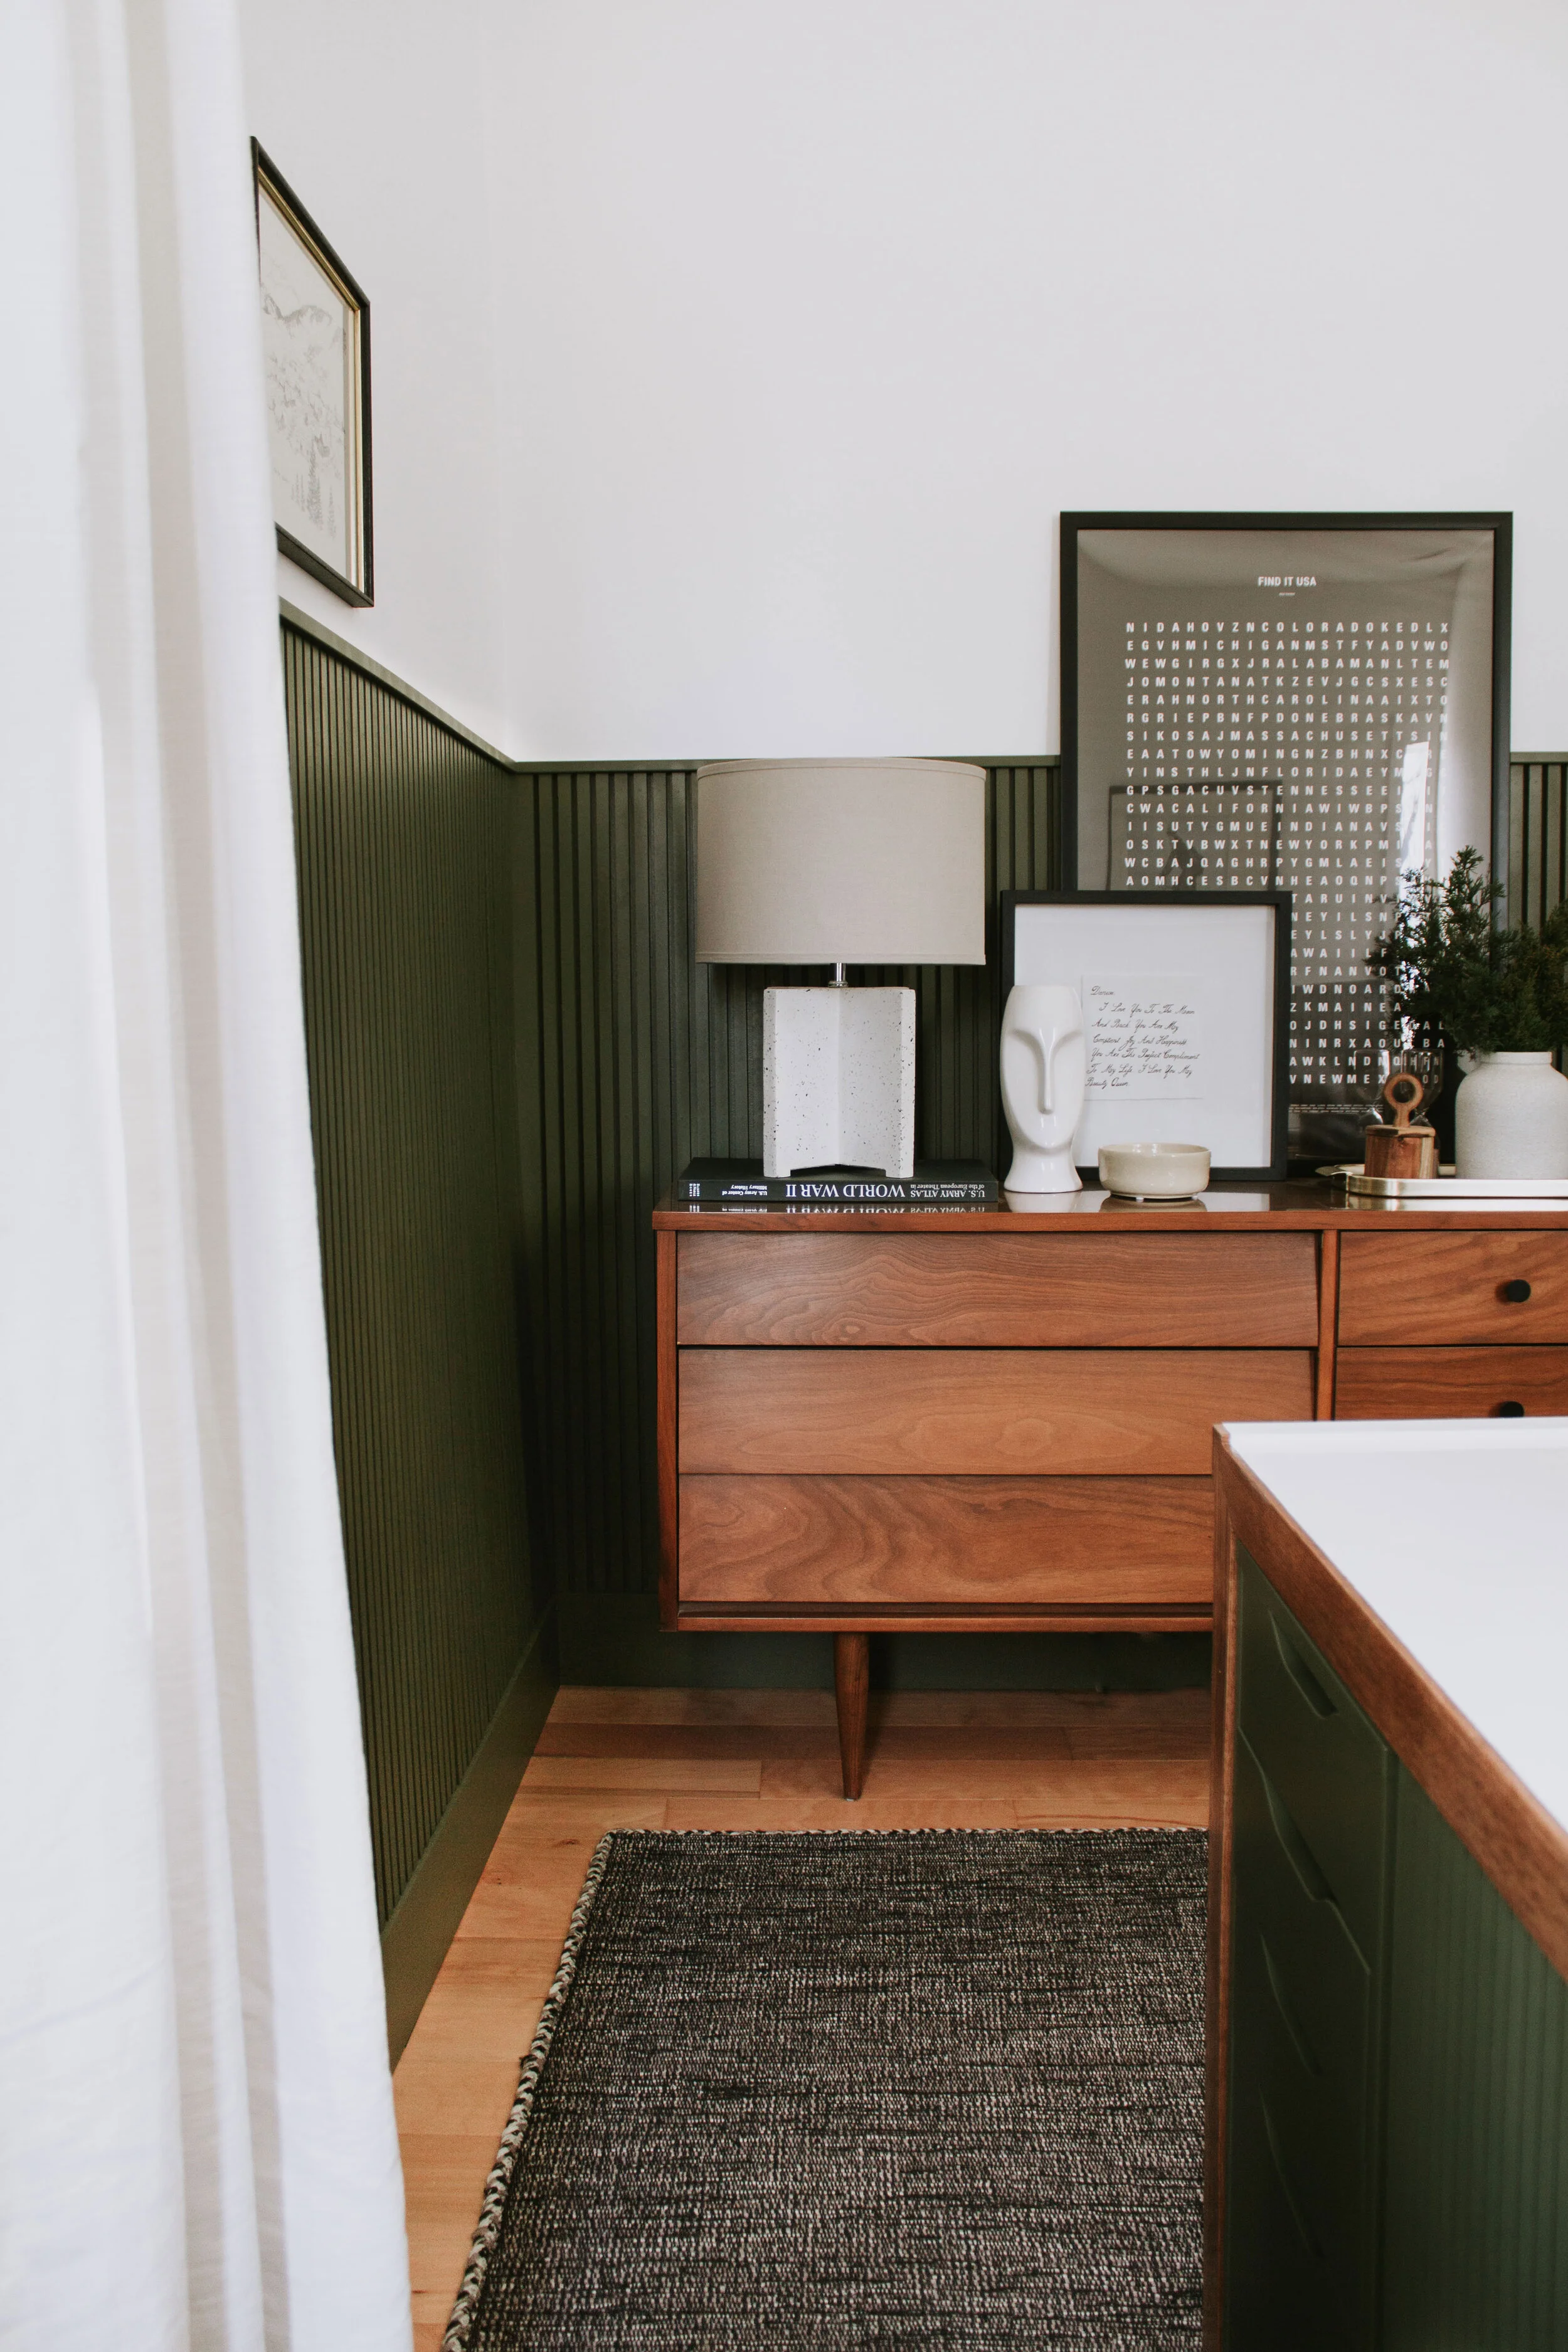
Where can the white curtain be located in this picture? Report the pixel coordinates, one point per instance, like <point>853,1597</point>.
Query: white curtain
<point>196,2137</point>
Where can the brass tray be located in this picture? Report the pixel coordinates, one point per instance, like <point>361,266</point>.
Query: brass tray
<point>1447,1186</point>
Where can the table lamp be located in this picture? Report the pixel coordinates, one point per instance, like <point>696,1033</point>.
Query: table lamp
<point>837,862</point>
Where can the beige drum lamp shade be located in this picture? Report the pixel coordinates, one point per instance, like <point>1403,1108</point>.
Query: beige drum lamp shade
<point>840,861</point>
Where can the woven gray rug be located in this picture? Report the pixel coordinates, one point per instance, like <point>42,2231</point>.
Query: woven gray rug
<point>911,2089</point>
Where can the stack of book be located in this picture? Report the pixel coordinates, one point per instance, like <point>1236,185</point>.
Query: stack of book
<point>935,1184</point>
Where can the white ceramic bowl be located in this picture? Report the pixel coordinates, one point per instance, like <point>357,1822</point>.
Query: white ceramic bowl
<point>1154,1171</point>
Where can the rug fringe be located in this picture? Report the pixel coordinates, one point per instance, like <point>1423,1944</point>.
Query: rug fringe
<point>1079,1829</point>
<point>487,2233</point>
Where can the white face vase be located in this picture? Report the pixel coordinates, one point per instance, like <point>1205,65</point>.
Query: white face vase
<point>1043,1066</point>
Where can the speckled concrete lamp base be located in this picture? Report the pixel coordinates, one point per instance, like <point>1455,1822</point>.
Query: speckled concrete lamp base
<point>838,1080</point>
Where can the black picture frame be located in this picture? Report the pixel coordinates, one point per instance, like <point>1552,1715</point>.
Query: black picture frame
<point>1221,900</point>
<point>1499,524</point>
<point>356,585</point>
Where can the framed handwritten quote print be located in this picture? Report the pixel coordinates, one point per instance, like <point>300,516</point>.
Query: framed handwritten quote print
<point>1186,1001</point>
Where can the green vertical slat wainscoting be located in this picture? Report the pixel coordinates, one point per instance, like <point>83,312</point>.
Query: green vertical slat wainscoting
<point>1537,838</point>
<point>1477,2244</point>
<point>403,834</point>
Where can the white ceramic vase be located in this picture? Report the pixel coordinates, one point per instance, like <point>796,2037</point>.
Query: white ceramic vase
<point>1510,1119</point>
<point>1042,1068</point>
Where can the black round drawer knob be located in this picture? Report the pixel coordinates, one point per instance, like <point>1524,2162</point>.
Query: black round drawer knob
<point>1510,1411</point>
<point>1516,1293</point>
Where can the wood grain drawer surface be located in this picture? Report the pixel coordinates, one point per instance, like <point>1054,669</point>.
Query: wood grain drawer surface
<point>999,1290</point>
<point>967,1412</point>
<point>1034,1542</point>
<point>1411,1289</point>
<point>1447,1383</point>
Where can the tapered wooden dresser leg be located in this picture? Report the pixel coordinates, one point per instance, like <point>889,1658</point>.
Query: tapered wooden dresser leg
<point>851,1681</point>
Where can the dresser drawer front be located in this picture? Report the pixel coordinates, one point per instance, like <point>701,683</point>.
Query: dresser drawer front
<point>1329,1765</point>
<point>998,1290</point>
<point>1447,1383</point>
<point>1410,1289</point>
<point>965,1412</point>
<point>984,1542</point>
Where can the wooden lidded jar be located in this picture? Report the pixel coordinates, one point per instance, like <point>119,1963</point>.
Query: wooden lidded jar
<point>1404,1149</point>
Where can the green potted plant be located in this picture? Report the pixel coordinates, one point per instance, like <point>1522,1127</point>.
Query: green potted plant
<point>1498,996</point>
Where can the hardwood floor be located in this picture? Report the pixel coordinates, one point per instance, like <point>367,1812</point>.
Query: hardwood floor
<point>684,1759</point>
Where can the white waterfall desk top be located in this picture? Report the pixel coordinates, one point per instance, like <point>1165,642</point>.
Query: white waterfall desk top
<point>1455,1533</point>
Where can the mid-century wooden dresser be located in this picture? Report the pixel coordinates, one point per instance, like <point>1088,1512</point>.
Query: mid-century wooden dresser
<point>985,1421</point>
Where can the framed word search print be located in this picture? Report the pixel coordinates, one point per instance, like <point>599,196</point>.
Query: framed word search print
<point>1186,999</point>
<point>1311,703</point>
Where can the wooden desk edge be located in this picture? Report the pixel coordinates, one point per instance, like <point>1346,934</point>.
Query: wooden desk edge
<point>667,1410</point>
<point>1222,1736</point>
<point>912,1617</point>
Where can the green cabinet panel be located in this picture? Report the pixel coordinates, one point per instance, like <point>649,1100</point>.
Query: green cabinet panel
<point>1301,2151</point>
<point>1327,1762</point>
<point>1309,1833</point>
<point>1397,2159</point>
<point>1311,1979</point>
<point>1477,2222</point>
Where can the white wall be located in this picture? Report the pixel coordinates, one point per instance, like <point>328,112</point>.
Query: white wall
<point>819,312</point>
<point>374,115</point>
<point>734,358</point>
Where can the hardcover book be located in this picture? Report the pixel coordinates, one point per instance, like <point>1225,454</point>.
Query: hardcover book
<point>935,1184</point>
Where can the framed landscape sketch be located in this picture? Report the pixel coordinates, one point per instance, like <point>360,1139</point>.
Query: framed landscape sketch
<point>1186,999</point>
<point>1311,703</point>
<point>315,332</point>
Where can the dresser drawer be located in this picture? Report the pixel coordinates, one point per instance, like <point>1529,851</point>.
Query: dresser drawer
<point>1328,1763</point>
<point>1410,1289</point>
<point>1447,1383</point>
<point>998,1290</point>
<point>987,1542</point>
<point>962,1412</point>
